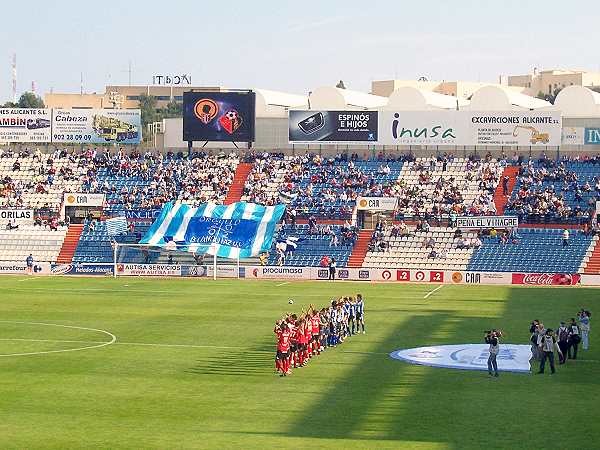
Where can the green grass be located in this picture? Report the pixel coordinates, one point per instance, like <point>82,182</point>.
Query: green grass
<point>128,395</point>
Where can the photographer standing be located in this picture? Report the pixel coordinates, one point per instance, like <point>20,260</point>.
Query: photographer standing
<point>574,339</point>
<point>548,344</point>
<point>491,338</point>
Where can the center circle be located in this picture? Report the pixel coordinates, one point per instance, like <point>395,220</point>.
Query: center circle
<point>82,344</point>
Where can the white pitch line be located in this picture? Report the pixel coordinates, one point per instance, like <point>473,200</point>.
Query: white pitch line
<point>436,289</point>
<point>283,284</point>
<point>144,344</point>
<point>98,344</point>
<point>29,278</point>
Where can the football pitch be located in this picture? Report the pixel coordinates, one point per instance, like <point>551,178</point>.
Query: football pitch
<point>135,363</point>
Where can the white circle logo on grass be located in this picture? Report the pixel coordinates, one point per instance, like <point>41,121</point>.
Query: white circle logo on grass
<point>511,358</point>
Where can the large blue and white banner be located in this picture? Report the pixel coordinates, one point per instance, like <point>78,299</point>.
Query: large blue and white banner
<point>511,358</point>
<point>240,229</point>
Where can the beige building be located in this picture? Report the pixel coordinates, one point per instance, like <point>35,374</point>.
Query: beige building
<point>124,97</point>
<point>547,81</point>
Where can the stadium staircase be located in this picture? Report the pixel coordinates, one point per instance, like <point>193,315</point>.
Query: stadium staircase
<point>360,249</point>
<point>592,265</point>
<point>69,244</point>
<point>236,190</point>
<point>501,200</point>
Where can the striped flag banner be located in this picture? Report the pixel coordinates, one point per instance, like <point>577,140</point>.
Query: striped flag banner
<point>237,230</point>
<point>116,226</point>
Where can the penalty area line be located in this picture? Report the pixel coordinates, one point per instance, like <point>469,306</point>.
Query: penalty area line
<point>435,290</point>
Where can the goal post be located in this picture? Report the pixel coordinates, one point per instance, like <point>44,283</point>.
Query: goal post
<point>172,260</point>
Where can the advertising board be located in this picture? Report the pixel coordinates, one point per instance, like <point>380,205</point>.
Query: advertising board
<point>573,135</point>
<point>514,128</point>
<point>332,126</point>
<point>487,222</point>
<point>149,270</point>
<point>546,279</point>
<point>20,268</point>
<point>97,126</point>
<point>278,272</point>
<point>219,116</point>
<point>376,203</point>
<point>25,125</point>
<point>82,269</point>
<point>16,215</point>
<point>460,277</point>
<point>83,199</point>
<point>592,136</point>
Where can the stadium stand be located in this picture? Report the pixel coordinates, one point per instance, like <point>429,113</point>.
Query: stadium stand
<point>538,250</point>
<point>148,181</point>
<point>312,247</point>
<point>37,180</point>
<point>550,192</point>
<point>437,248</point>
<point>328,187</point>
<point>43,243</point>
<point>461,185</point>
<point>95,245</point>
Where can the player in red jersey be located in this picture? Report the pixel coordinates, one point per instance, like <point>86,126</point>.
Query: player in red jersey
<point>283,349</point>
<point>301,336</point>
<point>293,326</point>
<point>277,330</point>
<point>315,324</point>
<point>307,338</point>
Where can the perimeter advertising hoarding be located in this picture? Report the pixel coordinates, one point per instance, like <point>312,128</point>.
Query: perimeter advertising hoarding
<point>468,128</point>
<point>97,126</point>
<point>25,125</point>
<point>332,126</point>
<point>219,116</point>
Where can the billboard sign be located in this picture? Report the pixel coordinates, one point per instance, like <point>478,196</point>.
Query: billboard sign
<point>333,126</point>
<point>172,79</point>
<point>149,270</point>
<point>546,279</point>
<point>97,126</point>
<point>219,116</point>
<point>16,215</point>
<point>83,199</point>
<point>25,125</point>
<point>573,135</point>
<point>514,128</point>
<point>487,222</point>
<point>376,203</point>
<point>592,136</point>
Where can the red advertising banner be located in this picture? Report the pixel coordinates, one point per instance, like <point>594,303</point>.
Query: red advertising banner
<point>546,279</point>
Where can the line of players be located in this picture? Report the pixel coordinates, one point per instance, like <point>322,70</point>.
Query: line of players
<point>301,338</point>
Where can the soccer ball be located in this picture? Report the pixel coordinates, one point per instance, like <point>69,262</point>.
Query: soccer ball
<point>290,301</point>
<point>232,115</point>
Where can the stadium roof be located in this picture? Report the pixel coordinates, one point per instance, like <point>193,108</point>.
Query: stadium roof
<point>409,98</point>
<point>275,104</point>
<point>497,98</point>
<point>327,97</point>
<point>578,101</point>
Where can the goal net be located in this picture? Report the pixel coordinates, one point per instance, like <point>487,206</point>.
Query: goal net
<point>172,260</point>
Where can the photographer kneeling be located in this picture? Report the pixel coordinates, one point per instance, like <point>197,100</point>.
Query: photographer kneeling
<point>492,338</point>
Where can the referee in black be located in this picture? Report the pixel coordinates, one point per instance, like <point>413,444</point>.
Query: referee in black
<point>332,267</point>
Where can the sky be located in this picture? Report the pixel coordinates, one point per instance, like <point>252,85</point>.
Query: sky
<point>289,46</point>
